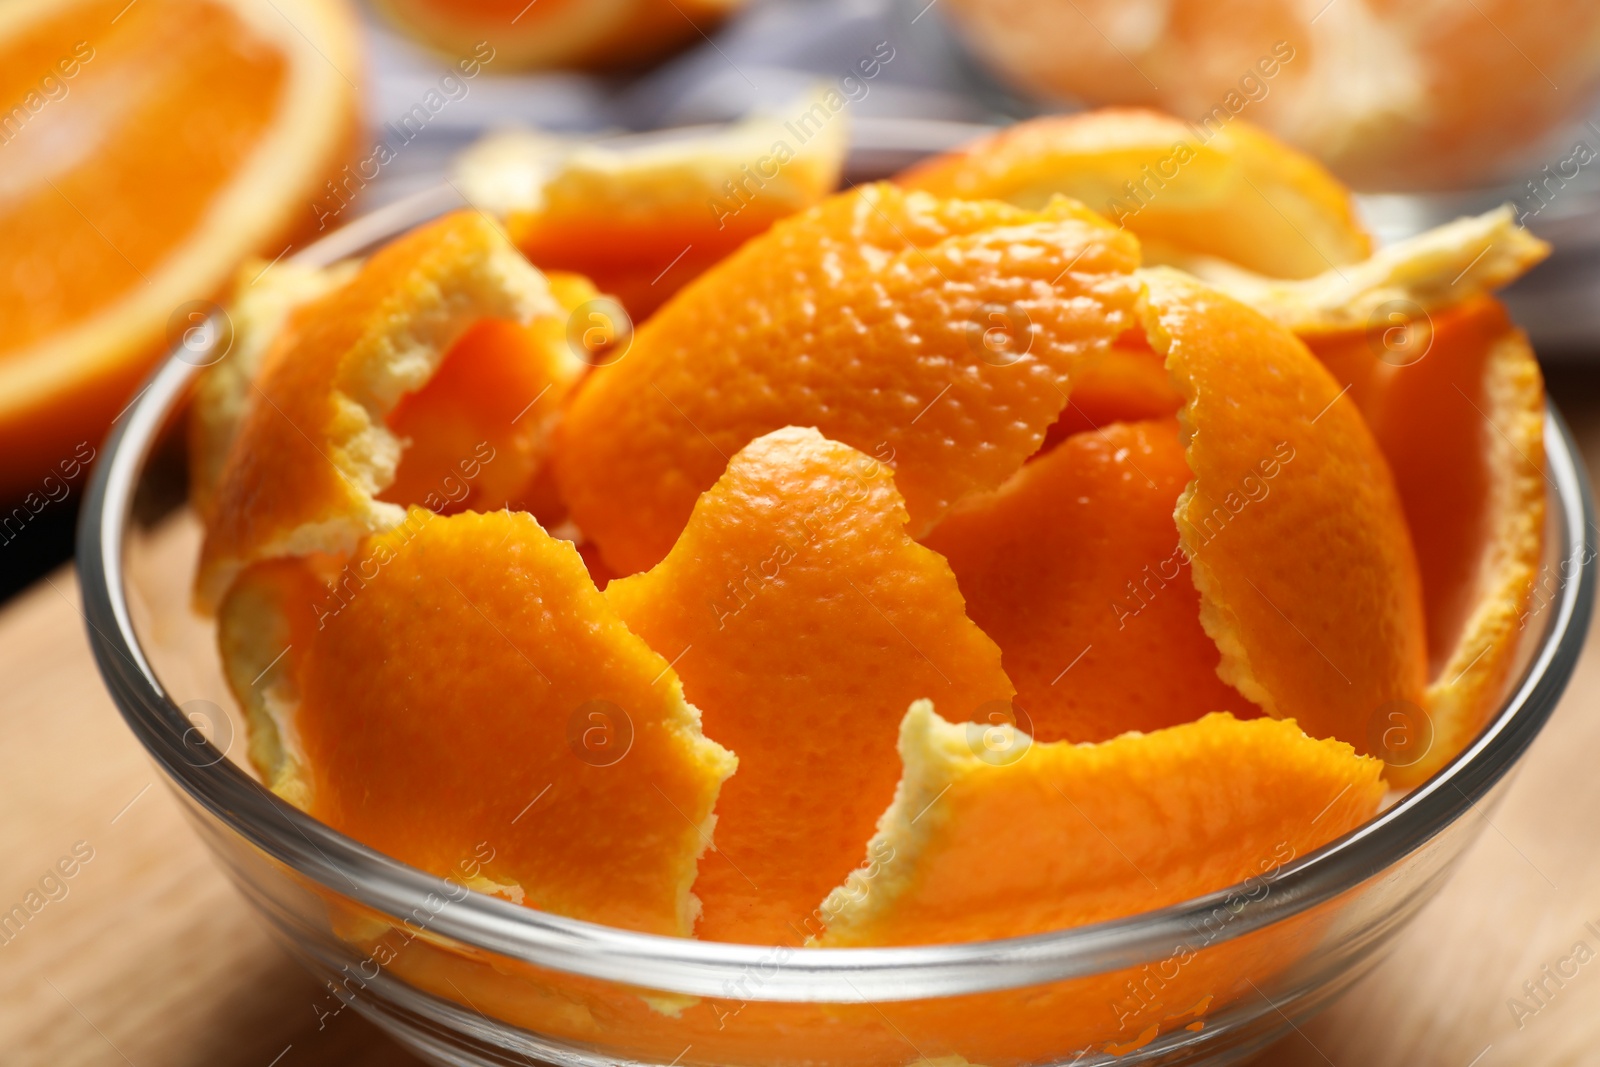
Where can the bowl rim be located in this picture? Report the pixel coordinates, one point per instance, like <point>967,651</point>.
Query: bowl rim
<point>341,865</point>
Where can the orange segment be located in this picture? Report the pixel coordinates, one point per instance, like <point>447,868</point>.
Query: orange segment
<point>111,227</point>
<point>868,318</point>
<point>1299,546</point>
<point>1240,195</point>
<point>312,451</point>
<point>558,33</point>
<point>645,220</point>
<point>1074,568</point>
<point>469,685</point>
<point>1461,420</point>
<point>803,620</point>
<point>1062,834</point>
<point>478,431</point>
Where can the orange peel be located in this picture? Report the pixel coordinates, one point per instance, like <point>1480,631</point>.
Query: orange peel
<point>644,220</point>
<point>1459,412</point>
<point>1239,195</point>
<point>1066,834</point>
<point>568,747</point>
<point>1293,527</point>
<point>867,317</point>
<point>803,620</point>
<point>312,453</point>
<point>262,302</point>
<point>1073,567</point>
<point>1432,271</point>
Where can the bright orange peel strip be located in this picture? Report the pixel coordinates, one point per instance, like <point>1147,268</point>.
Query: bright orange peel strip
<point>1293,527</point>
<point>312,453</point>
<point>803,620</point>
<point>1061,835</point>
<point>467,684</point>
<point>870,318</point>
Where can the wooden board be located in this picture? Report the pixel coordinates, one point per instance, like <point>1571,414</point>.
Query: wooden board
<point>147,957</point>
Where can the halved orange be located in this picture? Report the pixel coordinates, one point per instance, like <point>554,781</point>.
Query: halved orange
<point>1073,566</point>
<point>558,33</point>
<point>1063,834</point>
<point>1294,529</point>
<point>870,317</point>
<point>114,230</point>
<point>802,618</point>
<point>645,220</point>
<point>466,697</point>
<point>1460,415</point>
<point>1239,195</point>
<point>313,451</point>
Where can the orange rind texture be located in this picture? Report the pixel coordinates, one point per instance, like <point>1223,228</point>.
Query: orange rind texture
<point>1293,528</point>
<point>803,620</point>
<point>643,221</point>
<point>467,684</point>
<point>312,453</point>
<point>1457,405</point>
<point>867,317</point>
<point>1060,835</point>
<point>1073,566</point>
<point>1236,194</point>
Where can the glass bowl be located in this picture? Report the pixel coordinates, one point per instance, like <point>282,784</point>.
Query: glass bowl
<point>463,978</point>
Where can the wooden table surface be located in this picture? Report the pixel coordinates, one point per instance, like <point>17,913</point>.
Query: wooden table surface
<point>146,956</point>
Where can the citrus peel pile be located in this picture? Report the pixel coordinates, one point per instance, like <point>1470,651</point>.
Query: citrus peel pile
<point>927,569</point>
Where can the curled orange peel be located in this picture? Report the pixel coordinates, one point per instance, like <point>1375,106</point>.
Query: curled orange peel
<point>566,752</point>
<point>312,453</point>
<point>1055,835</point>
<point>939,336</point>
<point>1293,528</point>
<point>802,619</point>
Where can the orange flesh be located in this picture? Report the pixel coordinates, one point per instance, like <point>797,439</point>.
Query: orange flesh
<point>804,622</point>
<point>1073,567</point>
<point>864,317</point>
<point>444,706</point>
<point>72,238</point>
<point>1429,419</point>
